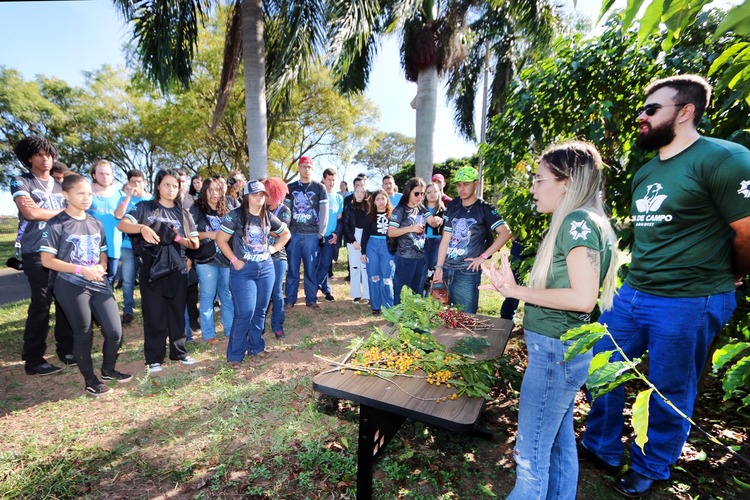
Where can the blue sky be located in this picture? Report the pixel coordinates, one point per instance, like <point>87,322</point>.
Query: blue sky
<point>66,38</point>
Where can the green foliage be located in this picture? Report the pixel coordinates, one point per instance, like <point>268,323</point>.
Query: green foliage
<point>640,418</point>
<point>387,153</point>
<point>414,311</point>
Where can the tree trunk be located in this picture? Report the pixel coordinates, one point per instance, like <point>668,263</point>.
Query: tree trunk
<point>254,59</point>
<point>427,91</point>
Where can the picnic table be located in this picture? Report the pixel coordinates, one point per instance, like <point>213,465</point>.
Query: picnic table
<point>386,403</point>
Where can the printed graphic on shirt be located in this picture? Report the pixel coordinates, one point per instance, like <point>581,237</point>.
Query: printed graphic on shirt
<point>303,209</point>
<point>460,238</point>
<point>744,189</point>
<point>255,244</point>
<point>579,229</point>
<point>176,225</point>
<point>650,203</point>
<point>86,248</point>
<point>382,221</point>
<point>214,222</point>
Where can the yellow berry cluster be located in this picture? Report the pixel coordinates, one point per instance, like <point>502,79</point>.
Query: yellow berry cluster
<point>440,377</point>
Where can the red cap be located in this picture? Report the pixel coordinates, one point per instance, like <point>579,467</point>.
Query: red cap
<point>438,177</point>
<point>305,160</point>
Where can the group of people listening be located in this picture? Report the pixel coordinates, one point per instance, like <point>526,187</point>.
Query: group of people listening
<point>691,221</point>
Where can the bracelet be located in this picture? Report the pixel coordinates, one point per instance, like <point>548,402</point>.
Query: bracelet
<point>79,271</point>
<point>438,266</point>
<point>177,238</point>
<point>234,259</point>
<point>140,231</point>
<point>485,256</point>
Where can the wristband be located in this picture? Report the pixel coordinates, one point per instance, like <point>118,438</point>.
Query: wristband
<point>485,256</point>
<point>438,266</point>
<point>79,271</point>
<point>234,259</point>
<point>140,231</point>
<point>177,238</point>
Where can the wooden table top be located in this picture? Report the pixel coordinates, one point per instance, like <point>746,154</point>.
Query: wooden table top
<point>394,394</point>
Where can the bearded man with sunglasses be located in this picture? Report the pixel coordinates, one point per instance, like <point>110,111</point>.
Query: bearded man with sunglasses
<point>691,221</point>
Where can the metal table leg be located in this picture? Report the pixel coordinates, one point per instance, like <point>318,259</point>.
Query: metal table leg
<point>376,429</point>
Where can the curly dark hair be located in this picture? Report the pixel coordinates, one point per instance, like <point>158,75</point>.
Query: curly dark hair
<point>31,145</point>
<point>374,209</point>
<point>202,200</point>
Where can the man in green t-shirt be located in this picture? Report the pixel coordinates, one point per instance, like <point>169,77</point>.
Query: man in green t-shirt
<point>691,221</point>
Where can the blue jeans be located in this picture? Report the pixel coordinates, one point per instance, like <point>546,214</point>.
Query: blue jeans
<point>677,333</point>
<point>277,296</point>
<point>408,273</point>
<point>546,457</point>
<point>212,280</point>
<point>431,246</point>
<point>112,264</point>
<point>127,270</point>
<point>251,290</point>
<point>463,287</point>
<point>380,268</point>
<point>303,248</point>
<point>324,265</point>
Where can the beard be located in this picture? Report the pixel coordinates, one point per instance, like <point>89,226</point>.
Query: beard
<point>656,138</point>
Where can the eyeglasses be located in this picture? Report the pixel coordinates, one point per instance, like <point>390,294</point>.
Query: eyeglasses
<point>651,109</point>
<point>418,193</point>
<point>536,179</point>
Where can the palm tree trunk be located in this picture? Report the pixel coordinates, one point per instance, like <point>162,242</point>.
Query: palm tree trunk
<point>427,91</point>
<point>254,59</point>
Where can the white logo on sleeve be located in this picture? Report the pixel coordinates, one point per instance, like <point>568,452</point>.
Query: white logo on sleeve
<point>744,189</point>
<point>653,200</point>
<point>579,230</point>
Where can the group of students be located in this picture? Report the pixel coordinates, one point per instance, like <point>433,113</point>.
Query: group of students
<point>658,308</point>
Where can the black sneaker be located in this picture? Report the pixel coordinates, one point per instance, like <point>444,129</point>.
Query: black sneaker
<point>96,388</point>
<point>43,369</point>
<point>329,298</point>
<point>69,360</point>
<point>115,375</point>
<point>356,299</point>
<point>127,318</point>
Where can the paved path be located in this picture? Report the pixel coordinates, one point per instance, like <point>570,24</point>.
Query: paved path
<point>13,286</point>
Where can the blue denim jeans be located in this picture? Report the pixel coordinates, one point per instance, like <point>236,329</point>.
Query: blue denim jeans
<point>251,290</point>
<point>380,269</point>
<point>463,287</point>
<point>213,280</point>
<point>408,273</point>
<point>303,248</point>
<point>546,457</point>
<point>677,333</point>
<point>128,271</point>
<point>277,296</point>
<point>324,265</point>
<point>112,265</point>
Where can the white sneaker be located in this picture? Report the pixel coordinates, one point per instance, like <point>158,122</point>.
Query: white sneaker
<point>154,367</point>
<point>187,360</point>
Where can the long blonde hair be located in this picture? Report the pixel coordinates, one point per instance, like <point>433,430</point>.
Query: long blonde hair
<point>580,163</point>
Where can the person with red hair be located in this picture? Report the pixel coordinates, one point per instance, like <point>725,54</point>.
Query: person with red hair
<point>277,191</point>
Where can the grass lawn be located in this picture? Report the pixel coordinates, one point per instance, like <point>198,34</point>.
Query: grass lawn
<point>207,431</point>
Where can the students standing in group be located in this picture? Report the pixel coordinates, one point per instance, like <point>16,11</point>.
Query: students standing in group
<point>434,230</point>
<point>470,224</point>
<point>407,225</point>
<point>74,248</point>
<point>133,193</point>
<point>277,191</point>
<point>245,240</point>
<point>308,202</point>
<point>38,197</point>
<point>375,254</point>
<point>331,235</point>
<point>208,212</point>
<point>104,207</point>
<point>355,219</point>
<point>574,260</point>
<point>163,222</point>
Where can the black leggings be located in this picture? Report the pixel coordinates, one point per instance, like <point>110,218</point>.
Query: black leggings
<point>79,303</point>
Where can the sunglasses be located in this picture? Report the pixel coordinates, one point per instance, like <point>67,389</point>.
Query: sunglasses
<point>418,193</point>
<point>651,109</point>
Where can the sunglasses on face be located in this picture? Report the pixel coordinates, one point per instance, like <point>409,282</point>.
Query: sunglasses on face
<point>418,193</point>
<point>651,109</point>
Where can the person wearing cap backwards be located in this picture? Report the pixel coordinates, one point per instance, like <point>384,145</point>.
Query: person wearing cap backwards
<point>245,239</point>
<point>308,202</point>
<point>466,241</point>
<point>440,181</point>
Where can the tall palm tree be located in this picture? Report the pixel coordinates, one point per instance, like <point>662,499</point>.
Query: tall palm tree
<point>286,34</point>
<point>433,42</point>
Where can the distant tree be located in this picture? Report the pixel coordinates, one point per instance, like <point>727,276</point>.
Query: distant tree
<point>387,153</point>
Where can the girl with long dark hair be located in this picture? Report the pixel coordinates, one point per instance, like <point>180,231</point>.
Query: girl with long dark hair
<point>375,252</point>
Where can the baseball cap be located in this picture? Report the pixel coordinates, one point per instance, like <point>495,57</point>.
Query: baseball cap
<point>466,174</point>
<point>305,160</point>
<point>438,177</point>
<point>253,187</point>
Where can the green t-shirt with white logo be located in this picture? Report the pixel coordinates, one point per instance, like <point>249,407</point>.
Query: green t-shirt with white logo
<point>578,229</point>
<point>681,212</point>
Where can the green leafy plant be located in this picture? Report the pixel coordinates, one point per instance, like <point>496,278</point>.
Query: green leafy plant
<point>737,377</point>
